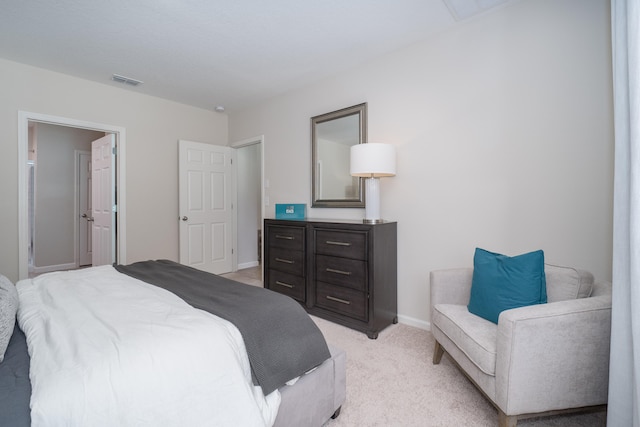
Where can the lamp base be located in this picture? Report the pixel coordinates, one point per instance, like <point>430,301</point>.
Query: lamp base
<point>372,207</point>
<point>372,221</point>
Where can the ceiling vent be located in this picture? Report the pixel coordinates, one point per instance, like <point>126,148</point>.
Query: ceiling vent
<point>126,80</point>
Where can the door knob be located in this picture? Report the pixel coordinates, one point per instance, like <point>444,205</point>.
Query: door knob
<point>84,215</point>
<point>184,218</point>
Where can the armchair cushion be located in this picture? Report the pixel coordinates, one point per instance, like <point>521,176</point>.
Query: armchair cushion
<point>564,283</point>
<point>501,282</point>
<point>474,336</point>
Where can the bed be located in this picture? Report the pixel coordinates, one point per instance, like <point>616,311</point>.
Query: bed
<point>158,343</point>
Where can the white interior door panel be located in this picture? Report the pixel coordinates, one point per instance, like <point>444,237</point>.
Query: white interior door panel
<point>206,206</point>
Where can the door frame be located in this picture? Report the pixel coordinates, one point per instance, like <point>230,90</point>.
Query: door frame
<point>24,117</point>
<point>236,145</point>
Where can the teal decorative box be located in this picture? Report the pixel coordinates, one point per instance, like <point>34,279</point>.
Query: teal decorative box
<point>291,211</point>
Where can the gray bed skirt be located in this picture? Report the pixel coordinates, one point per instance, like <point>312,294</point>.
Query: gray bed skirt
<point>316,396</point>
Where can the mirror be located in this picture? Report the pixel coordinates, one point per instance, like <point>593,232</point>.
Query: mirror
<point>332,136</point>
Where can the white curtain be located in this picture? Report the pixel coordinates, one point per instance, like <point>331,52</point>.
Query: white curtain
<point>624,371</point>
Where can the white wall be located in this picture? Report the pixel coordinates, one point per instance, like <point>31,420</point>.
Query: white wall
<point>153,128</point>
<point>504,137</point>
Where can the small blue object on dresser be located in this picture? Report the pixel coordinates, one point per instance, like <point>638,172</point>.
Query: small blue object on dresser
<point>291,211</point>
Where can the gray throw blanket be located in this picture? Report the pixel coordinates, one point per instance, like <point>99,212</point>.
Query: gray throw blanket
<point>281,339</point>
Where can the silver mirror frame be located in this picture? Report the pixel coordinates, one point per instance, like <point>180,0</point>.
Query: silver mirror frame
<point>359,200</point>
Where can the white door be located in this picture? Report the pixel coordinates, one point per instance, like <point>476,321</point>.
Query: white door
<point>84,208</point>
<point>103,200</point>
<point>206,206</point>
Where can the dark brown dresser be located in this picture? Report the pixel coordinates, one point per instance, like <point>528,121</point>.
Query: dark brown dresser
<point>343,271</point>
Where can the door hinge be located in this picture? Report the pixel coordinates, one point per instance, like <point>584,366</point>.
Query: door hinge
<point>114,151</point>
<point>114,208</point>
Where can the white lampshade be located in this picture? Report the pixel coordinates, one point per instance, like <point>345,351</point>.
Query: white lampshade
<point>373,160</point>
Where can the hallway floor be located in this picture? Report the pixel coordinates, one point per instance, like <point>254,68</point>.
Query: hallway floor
<point>250,276</point>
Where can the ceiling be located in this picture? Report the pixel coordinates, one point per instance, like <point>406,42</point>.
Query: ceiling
<point>209,53</point>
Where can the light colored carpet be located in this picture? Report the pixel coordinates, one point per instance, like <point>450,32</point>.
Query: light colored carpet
<point>392,382</point>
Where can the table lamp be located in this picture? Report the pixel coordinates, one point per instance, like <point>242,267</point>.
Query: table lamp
<point>371,161</point>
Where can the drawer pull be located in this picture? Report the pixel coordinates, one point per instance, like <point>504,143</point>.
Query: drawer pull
<point>340,300</point>
<point>286,261</point>
<point>286,285</point>
<point>280,236</point>
<point>332,242</point>
<point>333,270</point>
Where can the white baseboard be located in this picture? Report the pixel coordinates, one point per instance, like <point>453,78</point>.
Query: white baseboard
<point>248,265</point>
<point>59,267</point>
<point>417,323</point>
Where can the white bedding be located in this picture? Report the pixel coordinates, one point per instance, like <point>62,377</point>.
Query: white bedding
<point>107,349</point>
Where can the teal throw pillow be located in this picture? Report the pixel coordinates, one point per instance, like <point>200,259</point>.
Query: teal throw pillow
<point>501,282</point>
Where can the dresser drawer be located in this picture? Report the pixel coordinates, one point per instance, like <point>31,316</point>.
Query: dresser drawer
<point>342,300</point>
<point>347,272</point>
<point>288,261</point>
<point>347,244</point>
<point>291,238</point>
<point>288,284</point>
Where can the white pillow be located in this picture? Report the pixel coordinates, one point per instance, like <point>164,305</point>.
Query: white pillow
<point>8,310</point>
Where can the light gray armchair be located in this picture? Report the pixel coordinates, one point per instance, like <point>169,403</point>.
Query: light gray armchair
<point>538,360</point>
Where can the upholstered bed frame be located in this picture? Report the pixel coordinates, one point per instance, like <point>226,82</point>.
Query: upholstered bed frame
<point>317,396</point>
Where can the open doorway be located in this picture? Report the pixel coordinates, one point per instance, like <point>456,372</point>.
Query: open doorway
<point>28,179</point>
<point>59,197</point>
<point>250,212</point>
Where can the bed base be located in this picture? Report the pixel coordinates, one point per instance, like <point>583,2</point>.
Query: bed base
<point>317,396</point>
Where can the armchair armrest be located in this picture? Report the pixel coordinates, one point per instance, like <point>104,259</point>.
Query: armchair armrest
<point>553,356</point>
<point>451,286</point>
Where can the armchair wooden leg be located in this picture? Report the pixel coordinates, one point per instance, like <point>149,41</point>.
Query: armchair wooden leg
<point>438,351</point>
<point>505,420</point>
